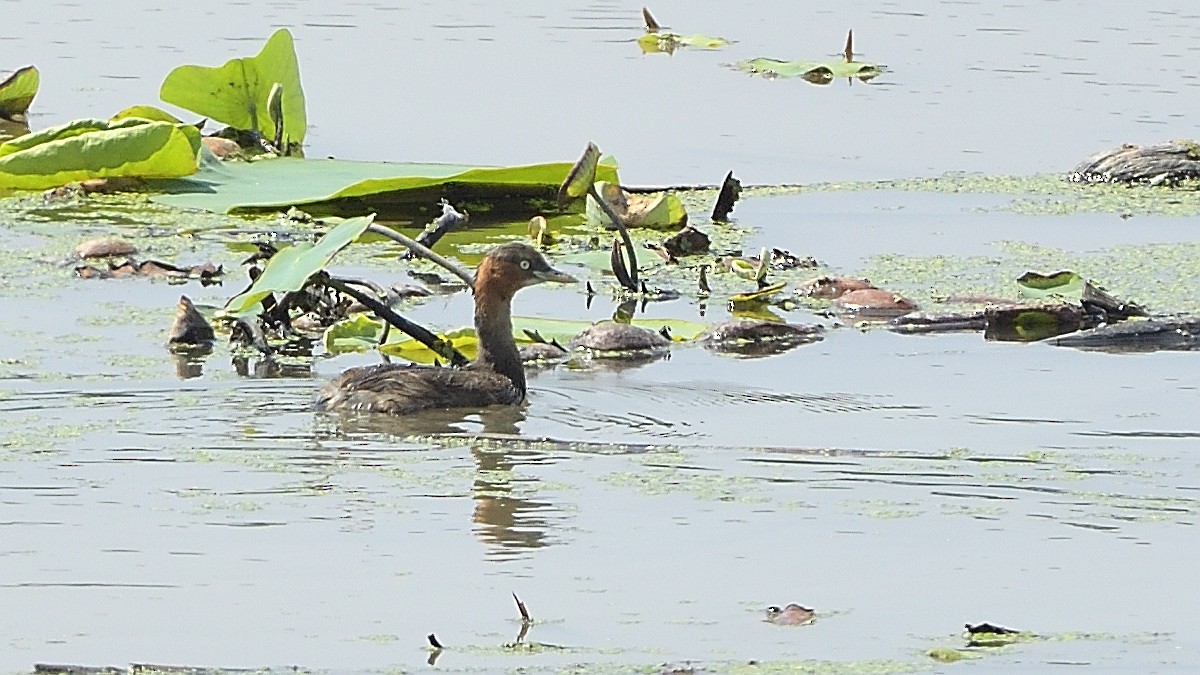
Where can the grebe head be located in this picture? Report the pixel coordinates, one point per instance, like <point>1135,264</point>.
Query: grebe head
<point>510,267</point>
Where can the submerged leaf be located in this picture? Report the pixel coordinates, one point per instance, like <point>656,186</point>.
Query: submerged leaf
<point>17,92</point>
<point>238,92</point>
<point>86,149</point>
<point>290,268</point>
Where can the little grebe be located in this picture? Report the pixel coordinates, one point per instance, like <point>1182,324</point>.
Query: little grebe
<point>494,377</point>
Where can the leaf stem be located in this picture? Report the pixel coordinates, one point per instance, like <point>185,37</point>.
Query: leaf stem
<point>424,252</point>
<point>440,346</point>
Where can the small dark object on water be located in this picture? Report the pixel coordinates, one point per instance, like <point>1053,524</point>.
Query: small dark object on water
<point>758,337</point>
<point>731,189</point>
<point>1161,164</point>
<point>449,220</point>
<point>990,628</point>
<point>190,328</point>
<point>433,641</point>
<point>688,241</point>
<point>1104,307</point>
<point>264,251</point>
<point>792,615</point>
<point>495,377</point>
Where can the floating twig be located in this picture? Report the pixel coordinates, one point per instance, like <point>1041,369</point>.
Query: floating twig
<point>433,641</point>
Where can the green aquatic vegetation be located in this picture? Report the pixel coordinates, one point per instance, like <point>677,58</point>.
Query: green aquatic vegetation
<point>290,268</point>
<point>238,93</point>
<point>1041,194</point>
<point>1161,277</point>
<point>666,43</point>
<point>86,149</point>
<point>657,40</point>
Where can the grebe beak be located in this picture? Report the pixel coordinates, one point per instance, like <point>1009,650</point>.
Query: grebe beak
<point>551,274</point>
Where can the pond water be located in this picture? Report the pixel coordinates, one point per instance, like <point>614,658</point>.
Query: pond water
<point>158,511</point>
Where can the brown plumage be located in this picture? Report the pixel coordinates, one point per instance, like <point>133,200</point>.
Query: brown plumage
<point>496,376</point>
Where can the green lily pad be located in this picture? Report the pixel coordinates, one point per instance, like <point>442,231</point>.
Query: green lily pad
<point>334,186</point>
<point>290,268</point>
<point>146,112</point>
<point>86,149</point>
<point>1064,283</point>
<point>17,91</point>
<point>667,43</point>
<point>237,93</point>
<point>817,72</point>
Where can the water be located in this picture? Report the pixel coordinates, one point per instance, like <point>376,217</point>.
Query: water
<point>901,485</point>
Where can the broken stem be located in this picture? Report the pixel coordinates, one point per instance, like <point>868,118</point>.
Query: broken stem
<point>440,346</point>
<point>633,264</point>
<point>423,251</point>
<point>525,620</point>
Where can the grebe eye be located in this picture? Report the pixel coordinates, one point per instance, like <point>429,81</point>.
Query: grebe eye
<point>524,264</point>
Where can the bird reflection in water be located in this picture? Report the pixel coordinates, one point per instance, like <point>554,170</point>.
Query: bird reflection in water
<point>506,523</point>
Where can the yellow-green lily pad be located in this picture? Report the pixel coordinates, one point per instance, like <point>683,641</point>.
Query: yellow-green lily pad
<point>86,149</point>
<point>238,92</point>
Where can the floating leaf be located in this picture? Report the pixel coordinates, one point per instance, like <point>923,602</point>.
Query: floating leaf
<point>290,268</point>
<point>146,112</point>
<point>816,72</point>
<point>86,149</point>
<point>760,295</point>
<point>667,43</point>
<point>351,188</point>
<point>1064,283</point>
<point>238,92</point>
<point>17,92</point>
<point>663,210</point>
